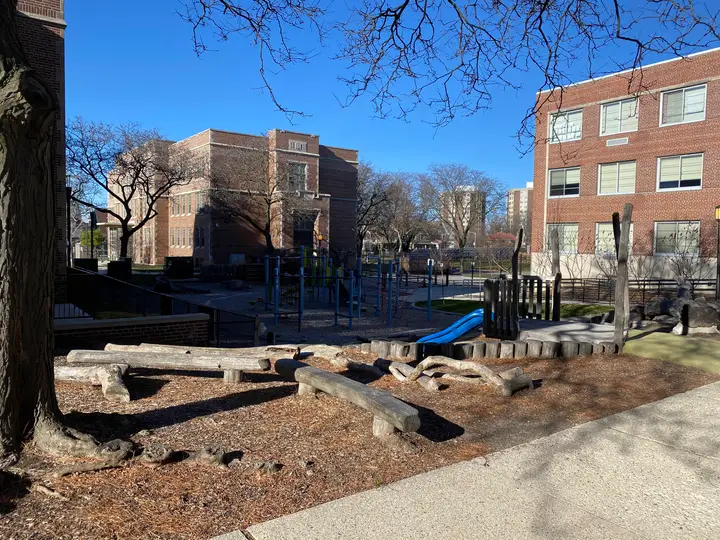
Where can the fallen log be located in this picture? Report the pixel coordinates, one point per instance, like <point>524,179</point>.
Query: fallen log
<point>270,351</point>
<point>109,378</point>
<point>346,363</point>
<point>390,414</point>
<point>181,361</point>
<point>506,387</point>
<point>402,371</point>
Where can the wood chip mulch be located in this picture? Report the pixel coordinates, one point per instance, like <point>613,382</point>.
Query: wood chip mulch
<point>325,445</point>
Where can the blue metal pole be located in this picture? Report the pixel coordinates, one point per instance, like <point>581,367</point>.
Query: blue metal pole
<point>301,302</point>
<point>389,295</point>
<point>337,274</point>
<point>352,295</point>
<point>379,285</point>
<point>398,285</point>
<point>276,295</point>
<point>359,280</point>
<point>267,281</point>
<point>302,256</point>
<point>429,300</point>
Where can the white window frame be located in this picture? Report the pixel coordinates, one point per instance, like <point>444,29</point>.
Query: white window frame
<point>674,254</point>
<point>691,188</point>
<point>617,182</point>
<point>563,251</point>
<point>549,171</point>
<point>620,101</point>
<point>551,139</point>
<point>684,89</point>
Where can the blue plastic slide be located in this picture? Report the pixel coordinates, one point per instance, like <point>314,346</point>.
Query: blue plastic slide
<point>451,333</point>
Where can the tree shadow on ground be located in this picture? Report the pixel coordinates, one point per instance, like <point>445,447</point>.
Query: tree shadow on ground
<point>12,488</point>
<point>144,387</point>
<point>108,426</point>
<point>435,427</point>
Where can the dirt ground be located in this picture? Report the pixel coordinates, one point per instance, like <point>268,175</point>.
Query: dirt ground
<point>325,445</point>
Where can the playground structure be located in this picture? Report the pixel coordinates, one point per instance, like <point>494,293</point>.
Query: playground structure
<point>296,283</point>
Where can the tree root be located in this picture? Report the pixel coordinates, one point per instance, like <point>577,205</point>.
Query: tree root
<point>89,467</point>
<point>47,491</point>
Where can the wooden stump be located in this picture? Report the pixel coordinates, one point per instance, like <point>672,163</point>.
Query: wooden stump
<point>585,349</point>
<point>381,428</point>
<point>492,349</point>
<point>534,348</point>
<point>463,351</point>
<point>233,376</point>
<point>478,349</point>
<point>521,349</point>
<point>549,349</point>
<point>306,390</point>
<point>569,349</point>
<point>507,349</point>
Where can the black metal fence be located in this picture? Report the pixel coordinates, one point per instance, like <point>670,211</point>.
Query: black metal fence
<point>602,291</point>
<point>97,296</point>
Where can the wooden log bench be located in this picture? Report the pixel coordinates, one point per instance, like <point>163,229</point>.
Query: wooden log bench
<point>181,361</point>
<point>261,353</point>
<point>389,414</point>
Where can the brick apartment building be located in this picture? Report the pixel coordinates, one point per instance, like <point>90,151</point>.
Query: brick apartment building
<point>519,210</point>
<point>41,26</point>
<point>189,224</point>
<point>652,139</point>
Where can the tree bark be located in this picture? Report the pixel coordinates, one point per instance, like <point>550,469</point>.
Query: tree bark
<point>124,242</point>
<point>28,111</point>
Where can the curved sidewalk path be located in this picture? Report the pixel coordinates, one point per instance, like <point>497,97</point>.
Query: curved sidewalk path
<point>652,472</point>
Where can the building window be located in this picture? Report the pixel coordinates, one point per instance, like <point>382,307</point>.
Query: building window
<point>297,179</point>
<point>172,237</point>
<point>677,238</point>
<point>197,202</point>
<point>605,239</point>
<point>566,126</point>
<point>683,105</point>
<point>303,227</point>
<point>614,178</point>
<point>680,172</point>
<point>565,182</point>
<point>189,237</point>
<point>182,197</point>
<point>189,202</point>
<point>298,146</point>
<point>182,234</point>
<point>619,117</point>
<point>567,236</point>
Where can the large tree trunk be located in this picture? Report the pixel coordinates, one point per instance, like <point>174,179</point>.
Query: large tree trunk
<point>124,243</point>
<point>269,247</point>
<point>27,114</point>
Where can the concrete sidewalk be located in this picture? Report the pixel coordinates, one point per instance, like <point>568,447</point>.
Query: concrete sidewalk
<point>651,472</point>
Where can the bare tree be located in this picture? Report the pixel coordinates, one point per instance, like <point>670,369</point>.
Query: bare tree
<point>402,218</point>
<point>131,167</point>
<point>372,198</point>
<point>462,199</point>
<point>251,185</point>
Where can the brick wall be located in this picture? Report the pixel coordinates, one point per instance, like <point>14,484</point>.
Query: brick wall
<point>644,146</point>
<point>169,330</point>
<point>338,178</point>
<point>41,28</point>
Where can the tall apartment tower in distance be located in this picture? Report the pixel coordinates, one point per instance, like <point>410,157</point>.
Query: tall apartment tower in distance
<point>650,138</point>
<point>519,209</point>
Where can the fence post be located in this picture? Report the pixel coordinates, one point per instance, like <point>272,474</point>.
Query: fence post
<point>547,300</point>
<point>398,285</point>
<point>276,294</point>
<point>359,288</point>
<point>389,294</point>
<point>352,295</point>
<point>379,286</point>
<point>337,274</point>
<point>267,280</point>
<point>429,287</point>
<point>301,300</point>
<point>556,297</point>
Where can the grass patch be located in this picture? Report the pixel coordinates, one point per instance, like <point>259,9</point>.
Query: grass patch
<point>463,307</point>
<point>148,267</point>
<point>143,280</point>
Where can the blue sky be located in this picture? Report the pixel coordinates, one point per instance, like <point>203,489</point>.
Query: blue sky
<point>136,63</point>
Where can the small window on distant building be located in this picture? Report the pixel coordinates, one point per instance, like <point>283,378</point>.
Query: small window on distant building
<point>619,117</point>
<point>172,237</point>
<point>677,238</point>
<point>182,197</point>
<point>298,146</point>
<point>182,244</point>
<point>567,236</point>
<point>683,105</point>
<point>297,179</point>
<point>566,126</point>
<point>564,182</point>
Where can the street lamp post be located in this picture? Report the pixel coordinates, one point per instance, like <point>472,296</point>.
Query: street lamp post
<point>717,255</point>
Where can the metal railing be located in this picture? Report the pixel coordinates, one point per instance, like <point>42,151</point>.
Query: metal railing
<point>98,296</point>
<point>602,291</point>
